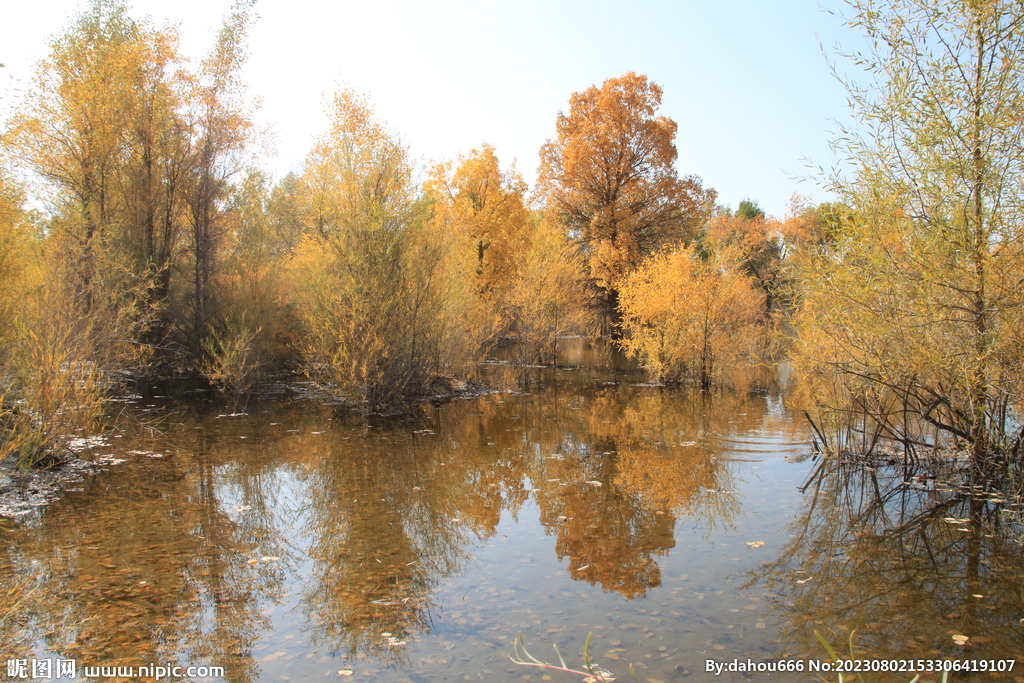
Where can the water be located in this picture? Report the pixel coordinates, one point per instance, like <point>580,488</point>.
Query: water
<point>286,542</point>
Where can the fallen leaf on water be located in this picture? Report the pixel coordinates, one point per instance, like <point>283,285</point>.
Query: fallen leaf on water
<point>269,559</point>
<point>801,582</point>
<point>960,640</point>
<point>755,544</point>
<point>593,483</point>
<point>346,672</point>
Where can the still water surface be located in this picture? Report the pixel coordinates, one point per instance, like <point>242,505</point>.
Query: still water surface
<point>287,542</point>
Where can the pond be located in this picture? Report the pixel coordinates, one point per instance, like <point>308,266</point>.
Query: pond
<point>285,541</point>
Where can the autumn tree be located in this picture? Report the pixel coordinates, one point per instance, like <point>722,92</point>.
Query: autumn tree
<point>549,296</point>
<point>255,330</point>
<point>917,308</point>
<point>610,175</point>
<point>16,247</point>
<point>691,318</point>
<point>100,129</point>
<point>220,130</point>
<point>134,155</point>
<point>385,302</point>
<point>486,209</point>
<point>98,135</point>
<point>750,240</point>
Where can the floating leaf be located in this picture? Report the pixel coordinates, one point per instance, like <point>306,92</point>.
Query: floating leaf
<point>960,640</point>
<point>755,544</point>
<point>346,672</point>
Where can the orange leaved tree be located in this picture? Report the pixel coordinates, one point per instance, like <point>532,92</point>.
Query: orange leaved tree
<point>610,175</point>
<point>485,210</point>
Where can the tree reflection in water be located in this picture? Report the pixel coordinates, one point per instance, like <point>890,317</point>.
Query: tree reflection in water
<point>904,560</point>
<point>640,464</point>
<point>278,541</point>
<point>146,564</point>
<point>385,523</point>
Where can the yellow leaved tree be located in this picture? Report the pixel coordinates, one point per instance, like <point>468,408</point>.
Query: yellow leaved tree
<point>690,319</point>
<point>550,295</point>
<point>484,209</point>
<point>913,309</point>
<point>387,300</point>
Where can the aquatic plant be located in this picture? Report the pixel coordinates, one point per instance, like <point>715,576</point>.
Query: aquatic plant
<point>592,674</point>
<point>835,658</point>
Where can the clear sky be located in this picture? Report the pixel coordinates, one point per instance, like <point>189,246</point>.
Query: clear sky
<point>745,80</point>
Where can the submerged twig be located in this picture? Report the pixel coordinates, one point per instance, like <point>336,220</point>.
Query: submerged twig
<point>592,674</point>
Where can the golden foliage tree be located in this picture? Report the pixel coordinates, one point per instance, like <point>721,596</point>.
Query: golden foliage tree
<point>610,175</point>
<point>220,131</point>
<point>255,330</point>
<point>917,308</point>
<point>753,241</point>
<point>101,129</point>
<point>134,153</point>
<point>388,302</point>
<point>127,149</point>
<point>687,318</point>
<point>56,355</point>
<point>549,294</point>
<point>485,209</point>
<point>16,255</point>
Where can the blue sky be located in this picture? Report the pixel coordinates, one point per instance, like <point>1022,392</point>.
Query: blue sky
<point>746,81</point>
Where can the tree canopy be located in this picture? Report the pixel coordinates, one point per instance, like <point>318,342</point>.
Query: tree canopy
<point>610,176</point>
